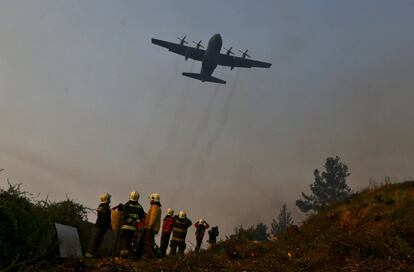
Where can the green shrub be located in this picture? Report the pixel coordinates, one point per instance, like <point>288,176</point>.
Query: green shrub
<point>26,231</point>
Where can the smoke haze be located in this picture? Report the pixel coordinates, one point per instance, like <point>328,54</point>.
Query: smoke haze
<point>89,105</point>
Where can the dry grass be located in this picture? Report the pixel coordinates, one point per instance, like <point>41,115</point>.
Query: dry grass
<point>371,231</point>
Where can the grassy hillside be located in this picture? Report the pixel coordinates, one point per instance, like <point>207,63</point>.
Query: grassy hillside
<point>371,231</point>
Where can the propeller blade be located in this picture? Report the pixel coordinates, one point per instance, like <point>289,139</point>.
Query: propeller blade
<point>229,52</point>
<point>244,53</point>
<point>198,44</point>
<point>183,41</point>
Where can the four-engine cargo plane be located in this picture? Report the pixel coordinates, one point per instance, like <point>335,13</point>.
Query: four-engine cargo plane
<point>210,58</point>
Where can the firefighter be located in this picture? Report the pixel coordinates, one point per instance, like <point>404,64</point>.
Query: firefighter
<point>167,226</point>
<point>180,225</point>
<point>139,239</point>
<point>152,224</point>
<point>201,226</point>
<point>132,213</point>
<point>103,223</point>
<point>212,235</point>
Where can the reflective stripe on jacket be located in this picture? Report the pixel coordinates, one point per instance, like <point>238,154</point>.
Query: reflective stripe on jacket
<point>180,227</point>
<point>132,213</point>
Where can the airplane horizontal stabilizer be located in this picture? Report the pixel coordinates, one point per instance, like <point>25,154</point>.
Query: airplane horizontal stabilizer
<point>204,78</point>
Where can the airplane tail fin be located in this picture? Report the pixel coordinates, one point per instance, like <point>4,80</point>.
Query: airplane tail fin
<point>204,78</point>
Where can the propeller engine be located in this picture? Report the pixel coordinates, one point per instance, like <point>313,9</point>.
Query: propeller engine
<point>244,53</point>
<point>229,52</point>
<point>198,45</point>
<point>182,40</point>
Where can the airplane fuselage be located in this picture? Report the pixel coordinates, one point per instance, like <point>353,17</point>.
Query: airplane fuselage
<point>209,62</point>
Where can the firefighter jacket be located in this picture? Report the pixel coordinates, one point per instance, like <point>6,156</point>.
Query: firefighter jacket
<point>213,233</point>
<point>200,229</point>
<point>153,217</point>
<point>132,213</point>
<point>180,227</point>
<point>167,224</point>
<point>103,221</point>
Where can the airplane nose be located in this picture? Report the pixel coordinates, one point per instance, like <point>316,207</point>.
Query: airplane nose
<point>218,40</point>
<point>218,37</point>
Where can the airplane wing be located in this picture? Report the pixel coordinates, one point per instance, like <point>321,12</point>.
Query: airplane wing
<point>231,61</point>
<point>183,50</point>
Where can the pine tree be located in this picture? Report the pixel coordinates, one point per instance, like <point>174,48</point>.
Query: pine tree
<point>329,186</point>
<point>284,220</point>
<point>261,232</point>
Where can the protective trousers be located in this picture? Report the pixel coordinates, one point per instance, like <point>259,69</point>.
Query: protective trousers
<point>149,243</point>
<point>181,247</point>
<point>165,239</point>
<point>125,240</point>
<point>198,245</point>
<point>96,240</point>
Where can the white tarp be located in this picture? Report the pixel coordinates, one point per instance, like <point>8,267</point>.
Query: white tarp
<point>69,243</point>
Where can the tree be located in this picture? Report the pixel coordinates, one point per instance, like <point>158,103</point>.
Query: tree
<point>243,234</point>
<point>284,220</point>
<point>261,232</point>
<point>329,186</point>
<point>66,212</point>
<point>254,233</point>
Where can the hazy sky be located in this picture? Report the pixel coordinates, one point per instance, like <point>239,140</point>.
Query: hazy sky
<point>89,105</point>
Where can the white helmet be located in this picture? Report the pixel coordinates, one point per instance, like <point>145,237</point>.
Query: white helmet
<point>134,196</point>
<point>170,212</point>
<point>105,198</point>
<point>155,197</point>
<point>182,215</point>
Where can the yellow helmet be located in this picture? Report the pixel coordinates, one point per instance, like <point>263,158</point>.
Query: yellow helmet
<point>155,197</point>
<point>105,198</point>
<point>134,196</point>
<point>182,215</point>
<point>170,212</point>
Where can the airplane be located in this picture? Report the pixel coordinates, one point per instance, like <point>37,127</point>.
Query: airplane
<point>210,58</point>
